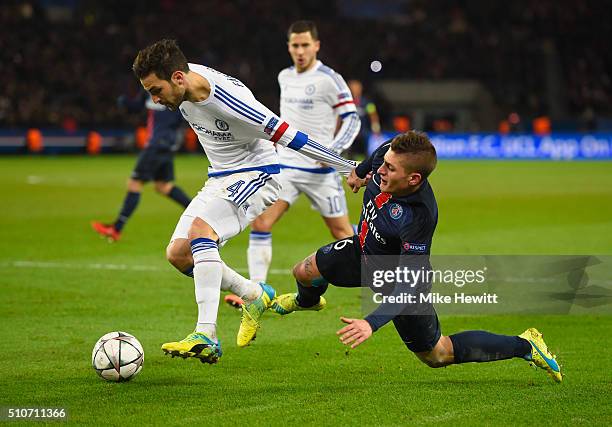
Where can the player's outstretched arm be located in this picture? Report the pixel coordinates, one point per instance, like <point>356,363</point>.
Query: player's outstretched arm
<point>301,142</point>
<point>279,132</point>
<point>260,122</point>
<point>355,332</point>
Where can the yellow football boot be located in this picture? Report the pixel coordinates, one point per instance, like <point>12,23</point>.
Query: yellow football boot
<point>196,345</point>
<point>540,355</point>
<point>251,313</point>
<point>287,303</point>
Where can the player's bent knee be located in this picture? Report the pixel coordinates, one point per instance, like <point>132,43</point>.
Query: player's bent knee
<point>301,274</point>
<point>178,257</point>
<point>173,256</point>
<point>441,355</point>
<point>433,361</point>
<point>298,271</point>
<point>306,271</point>
<point>163,187</point>
<point>134,185</point>
<point>262,225</point>
<point>200,228</point>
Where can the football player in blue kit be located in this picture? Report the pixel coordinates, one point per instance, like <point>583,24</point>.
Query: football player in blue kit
<point>155,163</point>
<point>399,217</point>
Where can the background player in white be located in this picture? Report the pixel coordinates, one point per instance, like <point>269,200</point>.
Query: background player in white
<point>312,98</point>
<point>230,124</point>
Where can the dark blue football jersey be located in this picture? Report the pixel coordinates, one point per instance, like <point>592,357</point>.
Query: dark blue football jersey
<point>162,124</point>
<point>395,226</point>
<point>391,225</point>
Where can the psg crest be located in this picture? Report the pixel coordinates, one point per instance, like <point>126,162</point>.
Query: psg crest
<point>395,211</point>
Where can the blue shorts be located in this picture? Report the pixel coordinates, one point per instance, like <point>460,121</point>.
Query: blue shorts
<point>340,264</point>
<point>154,164</point>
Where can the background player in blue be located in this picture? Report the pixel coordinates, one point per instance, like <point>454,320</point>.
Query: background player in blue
<point>399,217</point>
<point>155,163</point>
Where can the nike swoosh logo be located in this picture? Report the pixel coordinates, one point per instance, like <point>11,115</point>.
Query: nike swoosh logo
<point>551,362</point>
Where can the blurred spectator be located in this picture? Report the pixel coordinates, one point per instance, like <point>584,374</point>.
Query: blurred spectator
<point>72,58</point>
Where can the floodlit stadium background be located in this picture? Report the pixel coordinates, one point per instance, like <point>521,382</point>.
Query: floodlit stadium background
<point>447,66</point>
<point>518,100</point>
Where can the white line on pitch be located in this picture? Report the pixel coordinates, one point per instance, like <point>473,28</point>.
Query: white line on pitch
<point>100,266</point>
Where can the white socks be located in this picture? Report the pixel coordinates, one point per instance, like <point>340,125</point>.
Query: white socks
<point>259,255</point>
<point>238,285</point>
<point>207,274</point>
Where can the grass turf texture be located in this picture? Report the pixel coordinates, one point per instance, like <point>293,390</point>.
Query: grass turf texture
<point>53,311</point>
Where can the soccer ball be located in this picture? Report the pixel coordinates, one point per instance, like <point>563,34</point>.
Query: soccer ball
<point>117,356</point>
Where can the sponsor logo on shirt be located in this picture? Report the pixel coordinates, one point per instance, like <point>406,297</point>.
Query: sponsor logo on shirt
<point>216,135</point>
<point>343,95</point>
<point>368,226</point>
<point>271,125</point>
<point>395,211</point>
<point>415,247</point>
<point>303,103</point>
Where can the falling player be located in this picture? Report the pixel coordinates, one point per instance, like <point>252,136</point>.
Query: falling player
<point>399,217</point>
<point>238,134</point>
<point>312,98</point>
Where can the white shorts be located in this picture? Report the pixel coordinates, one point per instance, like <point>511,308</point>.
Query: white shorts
<point>229,203</point>
<point>324,191</point>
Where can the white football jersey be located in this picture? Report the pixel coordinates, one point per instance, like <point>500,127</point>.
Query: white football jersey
<point>229,125</point>
<point>312,101</point>
<point>238,132</point>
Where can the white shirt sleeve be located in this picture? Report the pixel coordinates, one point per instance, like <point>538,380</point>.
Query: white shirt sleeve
<point>259,122</point>
<point>338,96</point>
<point>299,141</point>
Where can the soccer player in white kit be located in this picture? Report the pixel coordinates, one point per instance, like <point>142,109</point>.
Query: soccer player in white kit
<point>312,98</point>
<point>238,134</point>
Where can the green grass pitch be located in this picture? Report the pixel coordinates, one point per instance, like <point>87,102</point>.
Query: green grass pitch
<point>63,287</point>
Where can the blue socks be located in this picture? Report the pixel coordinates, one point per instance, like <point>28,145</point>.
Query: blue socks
<point>179,196</point>
<point>309,296</point>
<point>482,346</point>
<point>127,209</point>
<point>131,200</point>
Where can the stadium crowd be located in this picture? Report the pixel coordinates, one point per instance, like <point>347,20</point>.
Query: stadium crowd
<point>64,62</point>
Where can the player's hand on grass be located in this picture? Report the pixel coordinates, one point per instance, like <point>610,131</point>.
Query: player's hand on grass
<point>355,182</point>
<point>356,332</point>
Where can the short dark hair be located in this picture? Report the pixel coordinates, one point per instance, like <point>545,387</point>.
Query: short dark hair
<point>303,27</point>
<point>163,58</point>
<point>422,154</point>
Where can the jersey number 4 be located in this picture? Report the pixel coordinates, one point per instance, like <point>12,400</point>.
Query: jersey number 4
<point>234,188</point>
